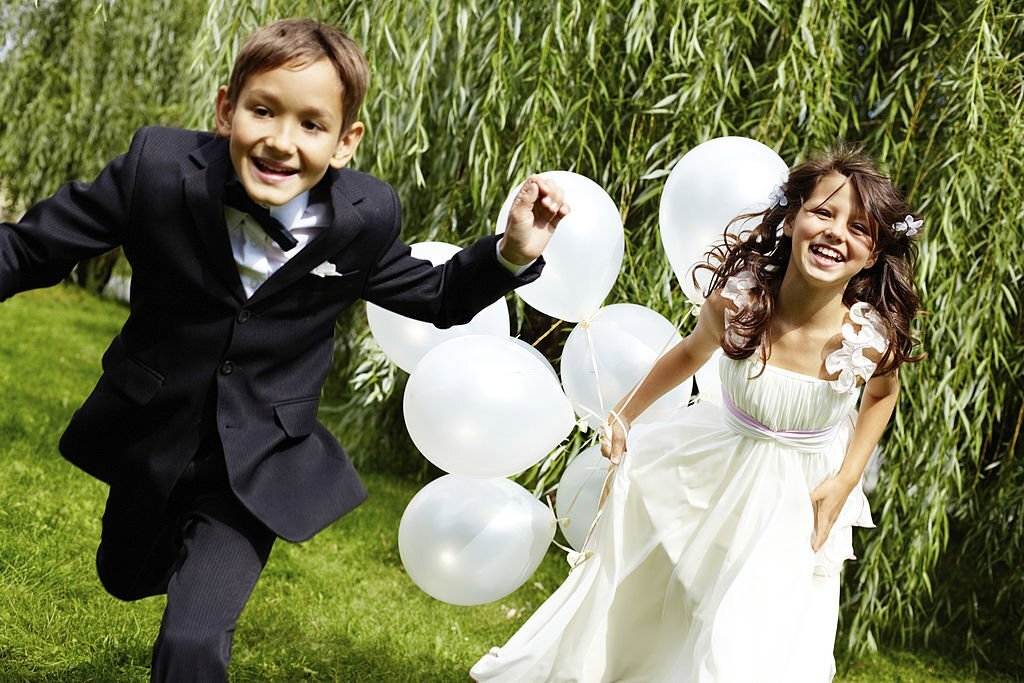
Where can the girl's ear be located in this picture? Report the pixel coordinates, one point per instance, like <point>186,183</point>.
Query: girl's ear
<point>871,260</point>
<point>787,228</point>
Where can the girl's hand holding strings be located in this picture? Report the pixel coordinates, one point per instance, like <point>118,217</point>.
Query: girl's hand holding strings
<point>828,499</point>
<point>613,437</point>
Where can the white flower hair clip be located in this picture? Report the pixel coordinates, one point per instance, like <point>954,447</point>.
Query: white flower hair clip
<point>908,226</point>
<point>777,197</point>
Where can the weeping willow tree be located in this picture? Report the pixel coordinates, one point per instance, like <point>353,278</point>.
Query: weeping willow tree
<point>77,78</point>
<point>469,96</point>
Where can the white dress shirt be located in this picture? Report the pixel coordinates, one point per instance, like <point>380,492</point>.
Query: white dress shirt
<point>258,256</point>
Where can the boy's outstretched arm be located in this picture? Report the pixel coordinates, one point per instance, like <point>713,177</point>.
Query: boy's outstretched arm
<point>80,221</point>
<point>452,293</point>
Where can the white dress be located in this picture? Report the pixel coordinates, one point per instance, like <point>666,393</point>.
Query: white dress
<point>700,567</point>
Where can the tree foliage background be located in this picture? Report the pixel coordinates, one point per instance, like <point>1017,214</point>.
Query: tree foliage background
<point>469,96</point>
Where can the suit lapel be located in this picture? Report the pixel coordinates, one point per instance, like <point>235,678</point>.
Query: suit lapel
<point>204,193</point>
<point>346,223</point>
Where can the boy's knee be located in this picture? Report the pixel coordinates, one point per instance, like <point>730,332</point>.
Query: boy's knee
<point>123,579</point>
<point>113,581</point>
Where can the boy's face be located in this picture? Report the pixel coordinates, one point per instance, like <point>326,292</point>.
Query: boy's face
<point>285,130</point>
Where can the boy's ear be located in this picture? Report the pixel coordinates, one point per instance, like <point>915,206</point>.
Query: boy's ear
<point>224,110</point>
<point>347,144</point>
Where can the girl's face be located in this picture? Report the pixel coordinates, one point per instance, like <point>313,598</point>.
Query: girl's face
<point>831,240</point>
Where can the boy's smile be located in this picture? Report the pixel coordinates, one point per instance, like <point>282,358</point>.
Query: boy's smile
<point>285,130</point>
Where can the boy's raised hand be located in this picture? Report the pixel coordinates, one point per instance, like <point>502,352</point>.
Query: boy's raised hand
<point>535,213</point>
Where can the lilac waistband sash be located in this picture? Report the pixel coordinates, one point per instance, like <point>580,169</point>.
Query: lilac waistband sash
<point>745,425</point>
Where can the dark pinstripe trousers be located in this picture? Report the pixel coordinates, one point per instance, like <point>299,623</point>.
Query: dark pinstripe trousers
<point>214,551</point>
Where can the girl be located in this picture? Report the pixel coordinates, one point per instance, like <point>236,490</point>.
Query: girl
<point>717,554</point>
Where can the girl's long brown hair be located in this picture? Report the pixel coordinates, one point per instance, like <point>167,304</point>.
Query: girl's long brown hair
<point>887,285</point>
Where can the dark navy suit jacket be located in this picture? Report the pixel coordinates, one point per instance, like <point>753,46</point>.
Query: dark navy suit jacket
<point>192,335</point>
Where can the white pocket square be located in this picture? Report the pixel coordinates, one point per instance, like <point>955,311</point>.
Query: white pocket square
<point>326,269</point>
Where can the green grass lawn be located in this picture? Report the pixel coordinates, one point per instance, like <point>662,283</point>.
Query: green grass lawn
<point>338,608</point>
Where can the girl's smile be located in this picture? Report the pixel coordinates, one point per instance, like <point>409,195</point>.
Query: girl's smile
<point>826,256</point>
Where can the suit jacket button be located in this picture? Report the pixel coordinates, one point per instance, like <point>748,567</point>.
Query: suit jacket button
<point>244,315</point>
<point>227,367</point>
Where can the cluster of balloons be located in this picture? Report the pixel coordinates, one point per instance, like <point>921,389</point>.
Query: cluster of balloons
<point>483,406</point>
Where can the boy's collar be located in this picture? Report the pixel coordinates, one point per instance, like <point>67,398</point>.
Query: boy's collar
<point>290,211</point>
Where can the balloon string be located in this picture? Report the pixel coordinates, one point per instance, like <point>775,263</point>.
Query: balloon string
<point>585,324</point>
<point>551,507</point>
<point>568,551</point>
<point>590,474</point>
<point>590,413</point>
<point>586,554</point>
<point>606,487</point>
<point>613,468</point>
<point>550,330</point>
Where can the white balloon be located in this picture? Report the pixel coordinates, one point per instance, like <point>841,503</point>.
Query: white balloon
<point>536,354</point>
<point>579,493</point>
<point>623,341</point>
<point>709,384</point>
<point>405,341</point>
<point>584,256</point>
<point>468,541</point>
<point>483,406</point>
<point>711,185</point>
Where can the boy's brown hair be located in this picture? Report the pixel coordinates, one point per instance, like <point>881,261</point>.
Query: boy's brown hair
<point>300,42</point>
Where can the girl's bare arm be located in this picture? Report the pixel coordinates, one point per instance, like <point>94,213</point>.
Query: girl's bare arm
<point>675,366</point>
<point>876,408</point>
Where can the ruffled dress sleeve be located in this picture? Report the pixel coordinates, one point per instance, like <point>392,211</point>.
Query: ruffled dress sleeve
<point>849,360</point>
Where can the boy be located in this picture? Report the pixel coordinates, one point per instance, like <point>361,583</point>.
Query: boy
<point>204,420</point>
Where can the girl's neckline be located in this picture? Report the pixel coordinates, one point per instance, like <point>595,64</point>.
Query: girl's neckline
<point>753,358</point>
<point>756,358</point>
